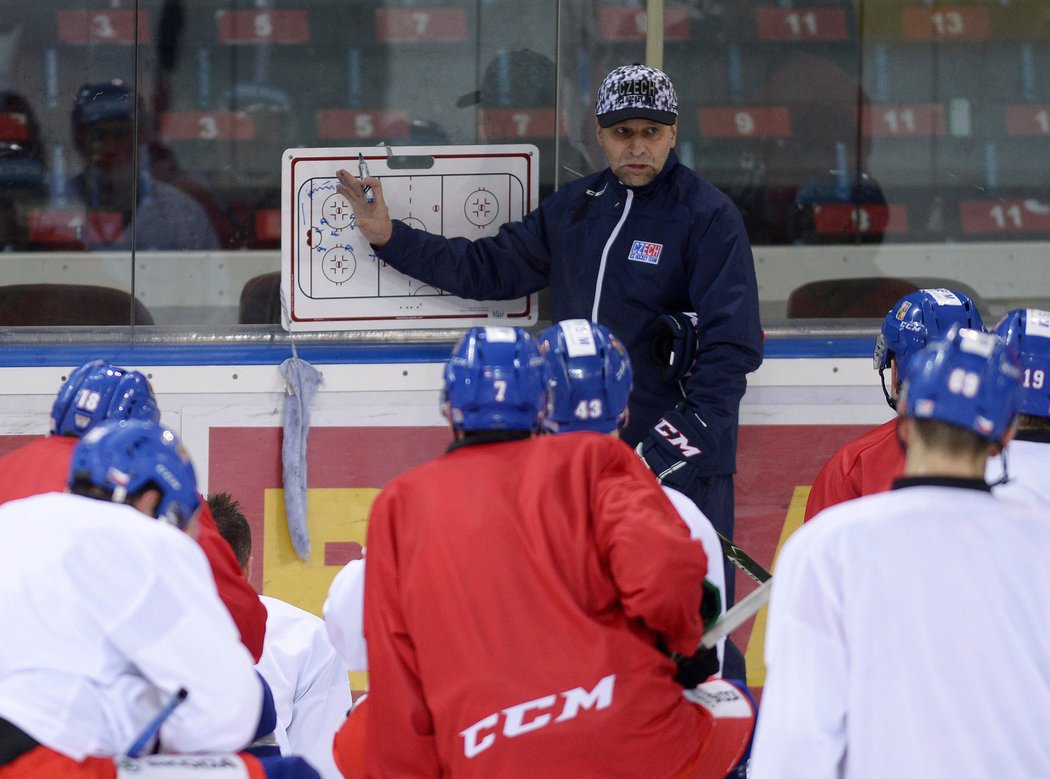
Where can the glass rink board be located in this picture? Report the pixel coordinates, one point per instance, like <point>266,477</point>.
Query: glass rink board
<point>331,279</point>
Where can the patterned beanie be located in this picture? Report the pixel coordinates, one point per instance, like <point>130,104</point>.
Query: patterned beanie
<point>636,92</point>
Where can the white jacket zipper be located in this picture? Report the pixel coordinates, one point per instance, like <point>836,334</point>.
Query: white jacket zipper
<point>605,254</point>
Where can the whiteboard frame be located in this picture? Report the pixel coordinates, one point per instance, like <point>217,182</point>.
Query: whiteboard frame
<point>304,312</point>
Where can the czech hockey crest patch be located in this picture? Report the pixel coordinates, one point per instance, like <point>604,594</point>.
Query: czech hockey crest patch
<point>645,251</point>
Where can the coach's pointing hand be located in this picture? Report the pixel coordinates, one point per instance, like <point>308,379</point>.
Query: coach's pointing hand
<point>372,219</point>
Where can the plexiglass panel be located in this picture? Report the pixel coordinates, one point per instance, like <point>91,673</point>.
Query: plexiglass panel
<point>140,140</point>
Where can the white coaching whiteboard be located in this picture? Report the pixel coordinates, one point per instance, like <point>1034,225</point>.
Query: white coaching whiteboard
<point>330,277</point>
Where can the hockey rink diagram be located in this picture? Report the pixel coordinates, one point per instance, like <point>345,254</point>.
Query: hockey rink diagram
<point>331,276</point>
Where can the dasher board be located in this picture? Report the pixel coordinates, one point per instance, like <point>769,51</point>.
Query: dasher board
<point>331,278</point>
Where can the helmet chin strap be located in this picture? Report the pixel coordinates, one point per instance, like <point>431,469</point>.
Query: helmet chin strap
<point>889,398</point>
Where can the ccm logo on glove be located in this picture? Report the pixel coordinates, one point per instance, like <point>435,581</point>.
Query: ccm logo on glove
<point>523,717</point>
<point>676,438</point>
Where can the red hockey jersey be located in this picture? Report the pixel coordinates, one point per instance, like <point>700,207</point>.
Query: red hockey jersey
<point>515,595</point>
<point>865,465</point>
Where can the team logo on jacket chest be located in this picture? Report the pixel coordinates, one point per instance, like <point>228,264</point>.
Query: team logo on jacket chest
<point>645,251</point>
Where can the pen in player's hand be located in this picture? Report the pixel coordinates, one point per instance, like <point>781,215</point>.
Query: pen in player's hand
<point>362,172</point>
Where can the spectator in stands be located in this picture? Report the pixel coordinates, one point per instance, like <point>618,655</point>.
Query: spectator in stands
<point>525,81</point>
<point>802,184</point>
<point>310,683</point>
<point>128,206</point>
<point>258,173</point>
<point>870,463</point>
<point>23,171</point>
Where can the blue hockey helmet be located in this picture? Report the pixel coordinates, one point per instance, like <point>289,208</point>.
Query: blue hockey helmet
<point>969,379</point>
<point>917,319</point>
<point>122,457</point>
<point>98,390</point>
<point>588,377</point>
<point>495,380</point>
<point>1027,332</point>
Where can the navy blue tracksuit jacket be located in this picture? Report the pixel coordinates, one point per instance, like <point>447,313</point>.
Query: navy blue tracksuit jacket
<point>622,256</point>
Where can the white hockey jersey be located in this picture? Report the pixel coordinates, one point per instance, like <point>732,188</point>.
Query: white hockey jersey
<point>907,637</point>
<point>105,614</point>
<point>311,688</point>
<point>1027,466</point>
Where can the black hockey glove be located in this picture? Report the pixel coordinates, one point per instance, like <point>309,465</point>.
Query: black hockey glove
<point>710,604</point>
<point>698,668</point>
<point>675,446</point>
<point>701,665</point>
<point>675,344</point>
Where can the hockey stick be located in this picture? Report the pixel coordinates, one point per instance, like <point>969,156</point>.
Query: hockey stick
<point>737,616</point>
<point>733,553</point>
<point>153,726</point>
<point>743,560</point>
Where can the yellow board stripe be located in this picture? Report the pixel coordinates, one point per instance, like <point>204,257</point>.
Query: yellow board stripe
<point>754,656</point>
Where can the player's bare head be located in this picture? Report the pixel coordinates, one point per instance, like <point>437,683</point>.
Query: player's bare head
<point>495,380</point>
<point>970,381</point>
<point>589,377</point>
<point>232,525</point>
<point>914,321</point>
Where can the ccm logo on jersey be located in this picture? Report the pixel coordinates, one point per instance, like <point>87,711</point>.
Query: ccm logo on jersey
<point>676,438</point>
<point>535,714</point>
<point>644,251</point>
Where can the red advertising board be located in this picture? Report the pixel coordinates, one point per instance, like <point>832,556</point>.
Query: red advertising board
<point>971,22</point>
<point>1028,120</point>
<point>516,124</point>
<point>110,26</point>
<point>745,122</point>
<point>422,24</point>
<point>801,24</point>
<point>1004,216</point>
<point>357,124</point>
<point>207,126</point>
<point>903,120</point>
<point>253,27</point>
<point>776,463</point>
<point>626,24</point>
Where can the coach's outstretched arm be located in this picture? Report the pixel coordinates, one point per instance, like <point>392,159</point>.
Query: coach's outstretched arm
<point>371,218</point>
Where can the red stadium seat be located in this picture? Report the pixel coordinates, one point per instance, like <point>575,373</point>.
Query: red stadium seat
<point>35,305</point>
<point>261,300</point>
<point>863,297</point>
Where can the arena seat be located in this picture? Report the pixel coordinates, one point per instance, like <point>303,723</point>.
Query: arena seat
<point>260,302</point>
<point>35,305</point>
<point>870,296</point>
